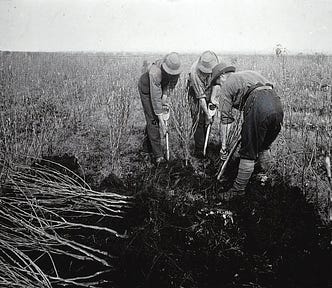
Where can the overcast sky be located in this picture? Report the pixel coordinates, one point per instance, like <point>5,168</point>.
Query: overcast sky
<point>164,25</point>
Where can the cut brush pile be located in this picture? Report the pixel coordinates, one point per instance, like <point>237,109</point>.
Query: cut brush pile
<point>55,228</point>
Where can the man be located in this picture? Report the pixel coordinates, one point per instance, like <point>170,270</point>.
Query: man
<point>199,97</point>
<point>153,87</point>
<point>250,92</point>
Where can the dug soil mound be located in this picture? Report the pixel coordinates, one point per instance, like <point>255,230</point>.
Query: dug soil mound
<point>182,234</point>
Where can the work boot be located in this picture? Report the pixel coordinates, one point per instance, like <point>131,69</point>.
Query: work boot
<point>246,167</point>
<point>232,194</point>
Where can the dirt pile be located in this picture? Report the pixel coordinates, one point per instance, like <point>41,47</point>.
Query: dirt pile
<point>181,234</point>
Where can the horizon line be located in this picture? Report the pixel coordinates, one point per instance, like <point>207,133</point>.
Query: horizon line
<point>225,52</point>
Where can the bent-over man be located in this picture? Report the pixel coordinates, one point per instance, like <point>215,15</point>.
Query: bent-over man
<point>199,97</point>
<point>250,92</point>
<point>153,87</point>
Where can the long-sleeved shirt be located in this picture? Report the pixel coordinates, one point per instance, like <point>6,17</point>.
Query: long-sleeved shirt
<point>234,89</point>
<point>156,84</point>
<point>156,90</point>
<point>199,82</point>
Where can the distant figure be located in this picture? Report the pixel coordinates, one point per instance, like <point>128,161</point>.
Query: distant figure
<point>279,50</point>
<point>250,92</point>
<point>153,87</point>
<point>199,97</point>
<point>325,84</point>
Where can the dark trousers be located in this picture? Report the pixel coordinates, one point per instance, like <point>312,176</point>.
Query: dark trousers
<point>198,119</point>
<point>152,140</point>
<point>262,120</point>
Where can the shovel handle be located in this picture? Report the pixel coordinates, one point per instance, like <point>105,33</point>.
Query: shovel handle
<point>206,138</point>
<point>223,167</point>
<point>167,146</point>
<point>329,199</point>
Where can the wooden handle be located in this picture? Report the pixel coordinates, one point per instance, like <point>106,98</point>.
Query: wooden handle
<point>328,166</point>
<point>223,167</point>
<point>167,147</point>
<point>206,138</point>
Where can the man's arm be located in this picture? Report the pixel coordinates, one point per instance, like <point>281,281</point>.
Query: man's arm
<point>200,94</point>
<point>203,104</point>
<point>199,89</point>
<point>156,90</point>
<point>215,94</point>
<point>226,117</point>
<point>157,96</point>
<point>224,130</point>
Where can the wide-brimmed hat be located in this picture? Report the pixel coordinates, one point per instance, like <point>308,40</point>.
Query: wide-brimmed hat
<point>172,64</point>
<point>207,61</point>
<point>220,69</point>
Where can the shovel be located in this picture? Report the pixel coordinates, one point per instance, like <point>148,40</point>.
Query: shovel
<point>231,152</point>
<point>329,196</point>
<point>212,111</point>
<point>165,118</point>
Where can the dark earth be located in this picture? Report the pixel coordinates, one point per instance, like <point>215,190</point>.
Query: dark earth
<point>181,234</point>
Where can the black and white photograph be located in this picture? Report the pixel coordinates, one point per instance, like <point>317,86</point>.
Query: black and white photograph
<point>165,143</point>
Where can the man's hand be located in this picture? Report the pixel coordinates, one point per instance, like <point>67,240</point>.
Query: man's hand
<point>166,112</point>
<point>208,119</point>
<point>223,154</point>
<point>166,108</point>
<point>164,99</point>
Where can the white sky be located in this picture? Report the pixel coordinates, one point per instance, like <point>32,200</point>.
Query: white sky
<point>165,25</point>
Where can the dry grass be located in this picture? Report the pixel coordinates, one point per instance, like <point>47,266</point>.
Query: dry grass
<point>87,105</point>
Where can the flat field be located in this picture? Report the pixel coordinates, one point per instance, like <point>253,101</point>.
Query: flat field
<point>86,107</point>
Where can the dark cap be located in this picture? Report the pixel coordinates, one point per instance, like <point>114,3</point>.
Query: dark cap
<point>219,69</point>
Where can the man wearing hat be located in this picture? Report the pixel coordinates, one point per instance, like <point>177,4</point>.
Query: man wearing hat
<point>200,96</point>
<point>153,85</point>
<point>250,92</point>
